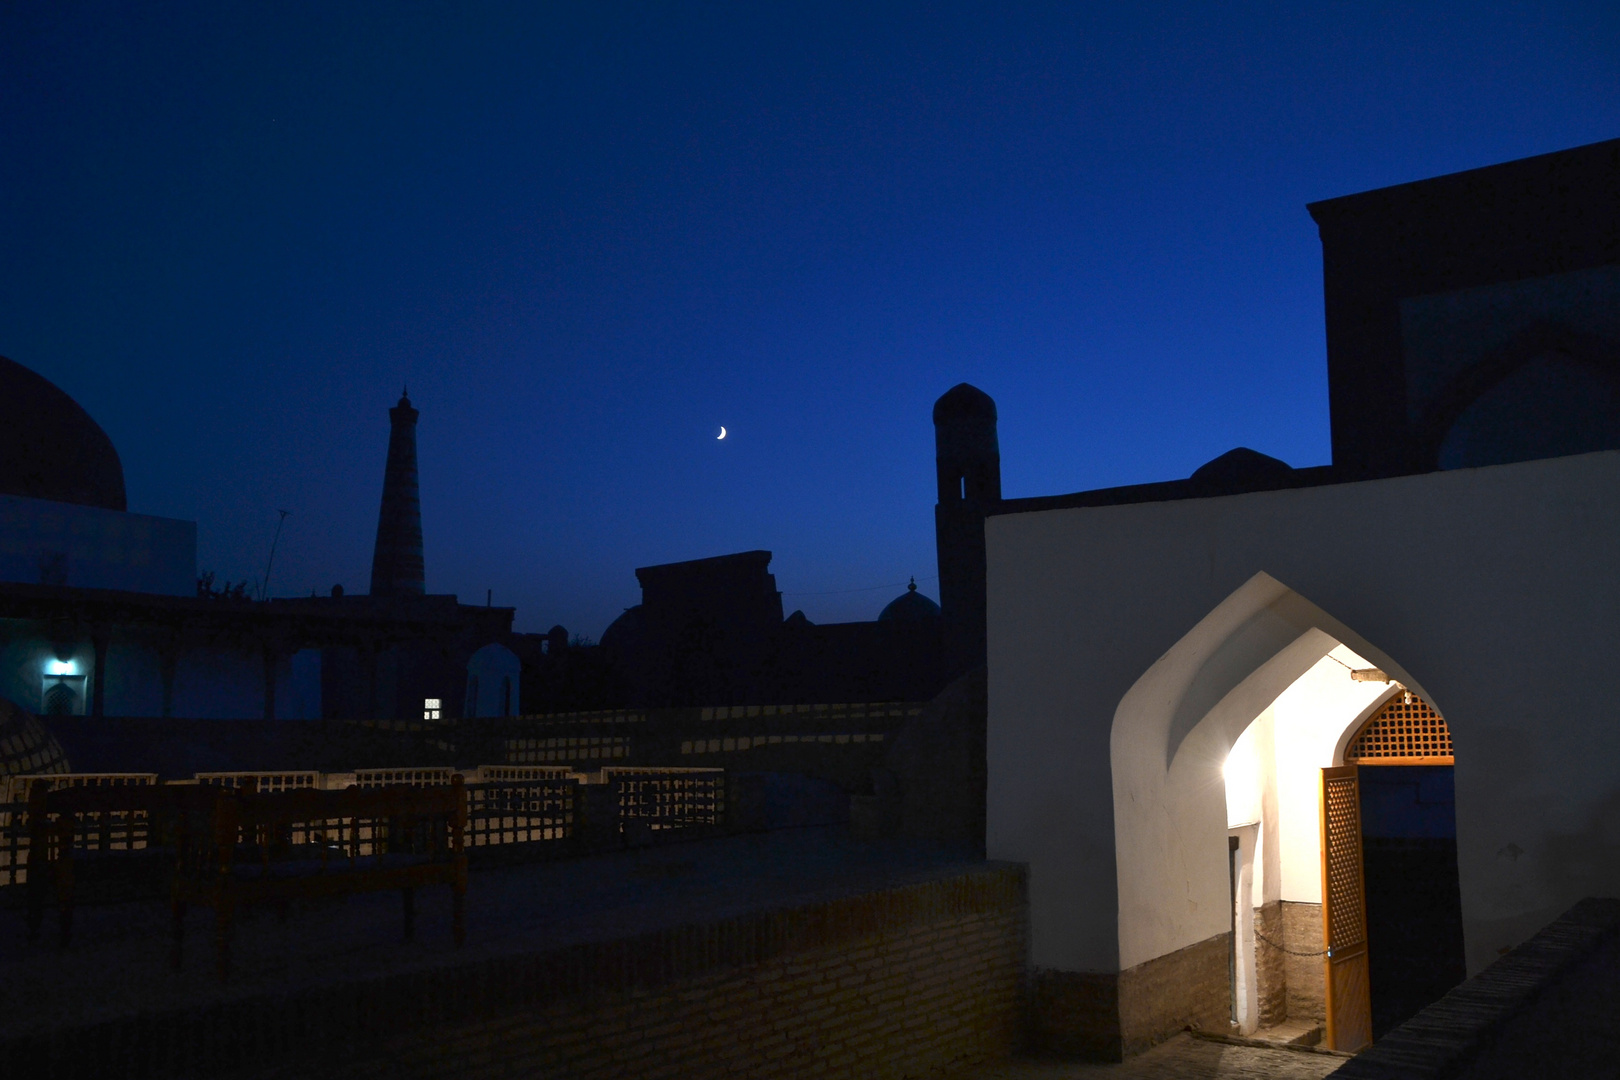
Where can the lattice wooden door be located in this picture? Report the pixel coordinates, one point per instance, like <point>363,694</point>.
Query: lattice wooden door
<point>1344,912</point>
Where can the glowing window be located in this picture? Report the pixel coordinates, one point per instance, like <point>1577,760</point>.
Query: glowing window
<point>430,708</point>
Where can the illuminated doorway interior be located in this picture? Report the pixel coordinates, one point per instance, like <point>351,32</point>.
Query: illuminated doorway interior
<point>63,695</point>
<point>1341,822</point>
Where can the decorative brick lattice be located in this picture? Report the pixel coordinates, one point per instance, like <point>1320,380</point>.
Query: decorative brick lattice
<point>670,798</point>
<point>567,749</point>
<point>434,777</point>
<point>1405,731</point>
<point>262,781</point>
<point>520,810</point>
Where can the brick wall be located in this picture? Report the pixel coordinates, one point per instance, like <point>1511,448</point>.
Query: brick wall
<point>1109,1016</point>
<point>1075,1014</point>
<point>907,982</point>
<point>1302,933</point>
<point>1271,964</point>
<point>1190,987</point>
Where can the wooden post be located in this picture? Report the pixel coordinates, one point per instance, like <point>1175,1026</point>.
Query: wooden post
<point>458,839</point>
<point>38,856</point>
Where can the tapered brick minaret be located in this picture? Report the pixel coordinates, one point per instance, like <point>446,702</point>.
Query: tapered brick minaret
<point>396,563</point>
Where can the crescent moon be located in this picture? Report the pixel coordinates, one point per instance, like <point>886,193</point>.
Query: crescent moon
<point>722,433</point>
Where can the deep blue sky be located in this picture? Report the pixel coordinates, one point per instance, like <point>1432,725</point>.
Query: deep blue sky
<point>588,236</point>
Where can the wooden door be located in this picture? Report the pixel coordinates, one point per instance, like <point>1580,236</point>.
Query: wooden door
<point>1344,912</point>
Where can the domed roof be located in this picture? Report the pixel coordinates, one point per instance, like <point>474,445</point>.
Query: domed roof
<point>49,446</point>
<point>1241,470</point>
<point>964,402</point>
<point>910,606</point>
<point>26,746</point>
<point>624,633</point>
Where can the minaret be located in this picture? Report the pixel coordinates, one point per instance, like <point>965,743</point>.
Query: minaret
<point>968,461</point>
<point>396,563</point>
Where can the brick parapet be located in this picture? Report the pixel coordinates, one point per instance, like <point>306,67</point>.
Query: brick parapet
<point>895,982</point>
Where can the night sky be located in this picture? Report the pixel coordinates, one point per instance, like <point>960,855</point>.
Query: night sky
<point>589,236</point>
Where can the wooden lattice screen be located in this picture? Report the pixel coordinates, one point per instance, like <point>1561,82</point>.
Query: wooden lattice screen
<point>1344,912</point>
<point>1406,731</point>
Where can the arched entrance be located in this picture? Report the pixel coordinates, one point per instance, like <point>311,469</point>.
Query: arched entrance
<point>1247,709</point>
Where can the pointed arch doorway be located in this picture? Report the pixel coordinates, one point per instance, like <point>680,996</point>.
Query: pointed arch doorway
<point>1246,709</point>
<point>1391,904</point>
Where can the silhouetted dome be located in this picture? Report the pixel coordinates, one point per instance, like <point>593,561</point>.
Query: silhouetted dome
<point>26,745</point>
<point>910,606</point>
<point>49,446</point>
<point>625,632</point>
<point>964,402</point>
<point>1242,470</point>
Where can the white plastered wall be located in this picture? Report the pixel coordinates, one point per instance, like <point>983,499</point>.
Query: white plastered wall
<point>1496,588</point>
<point>1313,719</point>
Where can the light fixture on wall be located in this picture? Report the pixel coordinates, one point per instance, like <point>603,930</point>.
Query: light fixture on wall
<point>1368,674</point>
<point>54,666</point>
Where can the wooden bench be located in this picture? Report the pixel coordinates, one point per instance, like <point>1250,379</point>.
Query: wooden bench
<point>125,831</point>
<point>273,848</point>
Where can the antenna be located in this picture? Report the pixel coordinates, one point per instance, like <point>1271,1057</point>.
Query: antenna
<point>264,587</point>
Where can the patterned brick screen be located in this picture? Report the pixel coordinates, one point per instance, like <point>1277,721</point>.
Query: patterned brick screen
<point>670,798</point>
<point>520,811</point>
<point>369,778</point>
<point>263,781</point>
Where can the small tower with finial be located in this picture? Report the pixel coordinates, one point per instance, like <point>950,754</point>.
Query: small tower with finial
<point>396,562</point>
<point>967,458</point>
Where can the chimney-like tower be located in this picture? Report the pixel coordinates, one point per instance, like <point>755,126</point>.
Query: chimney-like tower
<point>396,563</point>
<point>967,458</point>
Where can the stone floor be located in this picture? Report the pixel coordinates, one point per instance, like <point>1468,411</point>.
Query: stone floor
<point>1185,1057</point>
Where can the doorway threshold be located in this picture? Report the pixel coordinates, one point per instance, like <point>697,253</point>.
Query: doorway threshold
<point>1303,1035</point>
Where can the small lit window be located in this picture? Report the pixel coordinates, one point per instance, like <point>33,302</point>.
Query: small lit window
<point>430,708</point>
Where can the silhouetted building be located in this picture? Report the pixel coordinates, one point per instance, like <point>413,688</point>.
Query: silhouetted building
<point>396,562</point>
<point>1474,319</point>
<point>967,460</point>
<point>711,632</point>
<point>49,446</point>
<point>102,612</point>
